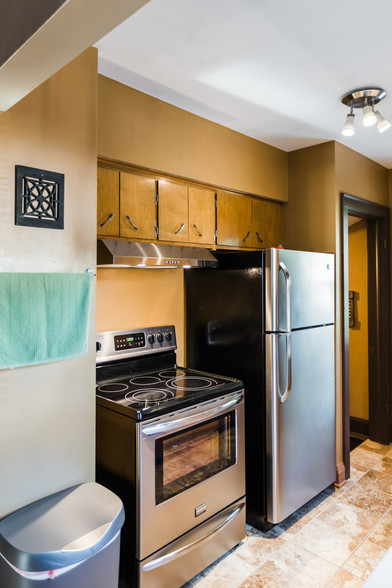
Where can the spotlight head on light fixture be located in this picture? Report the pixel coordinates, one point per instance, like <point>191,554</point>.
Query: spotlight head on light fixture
<point>348,129</point>
<point>368,116</point>
<point>382,123</point>
<point>366,99</point>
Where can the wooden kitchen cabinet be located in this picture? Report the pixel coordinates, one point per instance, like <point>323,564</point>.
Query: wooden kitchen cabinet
<point>138,208</point>
<point>234,220</point>
<point>201,216</point>
<point>128,207</point>
<point>108,182</point>
<point>267,224</point>
<point>173,220</point>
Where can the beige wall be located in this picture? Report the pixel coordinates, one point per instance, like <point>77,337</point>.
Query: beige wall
<point>358,334</point>
<point>47,411</point>
<point>139,129</point>
<point>137,298</point>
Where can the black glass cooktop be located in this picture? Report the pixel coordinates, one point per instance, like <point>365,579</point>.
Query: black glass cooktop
<point>161,390</point>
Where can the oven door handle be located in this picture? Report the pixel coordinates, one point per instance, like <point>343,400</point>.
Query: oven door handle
<point>192,419</point>
<point>183,549</point>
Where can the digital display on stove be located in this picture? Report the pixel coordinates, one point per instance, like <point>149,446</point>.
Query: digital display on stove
<point>129,341</point>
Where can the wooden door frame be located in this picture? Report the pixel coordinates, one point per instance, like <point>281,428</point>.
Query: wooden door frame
<point>379,296</point>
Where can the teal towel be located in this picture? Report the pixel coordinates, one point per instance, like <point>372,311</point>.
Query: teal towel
<point>43,317</point>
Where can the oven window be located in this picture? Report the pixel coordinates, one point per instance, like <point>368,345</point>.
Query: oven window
<point>192,455</point>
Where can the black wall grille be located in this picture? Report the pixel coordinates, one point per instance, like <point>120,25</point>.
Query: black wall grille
<point>39,198</point>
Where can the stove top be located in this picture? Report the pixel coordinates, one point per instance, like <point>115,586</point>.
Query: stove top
<point>137,374</point>
<point>163,390</point>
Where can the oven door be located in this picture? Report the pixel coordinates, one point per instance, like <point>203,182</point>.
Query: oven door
<point>191,465</point>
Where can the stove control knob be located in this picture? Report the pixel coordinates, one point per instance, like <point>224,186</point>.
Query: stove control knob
<point>151,339</point>
<point>98,346</point>
<point>160,337</point>
<point>168,336</point>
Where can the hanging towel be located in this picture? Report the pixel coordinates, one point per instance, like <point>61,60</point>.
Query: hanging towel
<point>43,317</point>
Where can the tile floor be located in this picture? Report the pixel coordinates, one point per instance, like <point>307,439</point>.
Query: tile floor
<point>334,541</point>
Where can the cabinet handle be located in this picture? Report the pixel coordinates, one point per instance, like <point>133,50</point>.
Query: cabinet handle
<point>180,229</point>
<point>259,238</point>
<point>247,236</point>
<point>108,221</point>
<point>132,223</point>
<point>156,231</point>
<point>197,231</point>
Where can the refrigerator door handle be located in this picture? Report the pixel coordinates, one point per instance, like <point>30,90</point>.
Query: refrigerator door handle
<point>287,278</point>
<point>283,397</point>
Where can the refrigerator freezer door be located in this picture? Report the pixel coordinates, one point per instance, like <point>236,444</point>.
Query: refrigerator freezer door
<point>301,429</point>
<point>305,279</point>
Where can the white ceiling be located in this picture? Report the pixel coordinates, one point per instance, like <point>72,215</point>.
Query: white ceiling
<point>274,70</point>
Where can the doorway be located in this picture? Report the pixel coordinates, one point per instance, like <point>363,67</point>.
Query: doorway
<point>376,219</point>
<point>358,330</point>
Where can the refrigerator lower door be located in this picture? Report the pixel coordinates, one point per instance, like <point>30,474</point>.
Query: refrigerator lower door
<point>300,418</point>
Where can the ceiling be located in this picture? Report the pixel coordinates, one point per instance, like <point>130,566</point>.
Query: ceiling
<point>274,70</point>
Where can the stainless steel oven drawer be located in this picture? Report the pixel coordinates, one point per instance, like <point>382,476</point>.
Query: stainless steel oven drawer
<point>185,557</point>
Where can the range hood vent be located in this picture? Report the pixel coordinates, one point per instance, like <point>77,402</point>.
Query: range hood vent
<point>151,255</point>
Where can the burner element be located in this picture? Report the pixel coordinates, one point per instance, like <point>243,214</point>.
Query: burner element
<point>113,388</point>
<point>145,397</point>
<point>144,380</point>
<point>174,373</point>
<point>192,383</point>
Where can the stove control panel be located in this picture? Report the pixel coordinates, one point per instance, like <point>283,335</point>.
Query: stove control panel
<point>129,341</point>
<point>111,345</point>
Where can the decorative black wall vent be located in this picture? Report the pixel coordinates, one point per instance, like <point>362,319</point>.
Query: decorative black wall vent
<point>39,198</point>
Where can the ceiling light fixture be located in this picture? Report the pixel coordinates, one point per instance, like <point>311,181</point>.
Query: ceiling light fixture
<point>364,98</point>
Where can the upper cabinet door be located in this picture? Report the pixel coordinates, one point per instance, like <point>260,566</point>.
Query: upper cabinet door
<point>267,224</point>
<point>201,216</point>
<point>108,202</point>
<point>173,211</point>
<point>233,220</point>
<point>138,209</point>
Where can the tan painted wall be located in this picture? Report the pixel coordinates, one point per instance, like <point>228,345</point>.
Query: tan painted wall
<point>139,129</point>
<point>133,298</point>
<point>358,335</point>
<point>361,177</point>
<point>47,411</point>
<point>309,216</point>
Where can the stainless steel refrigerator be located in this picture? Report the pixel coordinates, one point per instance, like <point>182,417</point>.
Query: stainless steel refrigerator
<point>268,319</point>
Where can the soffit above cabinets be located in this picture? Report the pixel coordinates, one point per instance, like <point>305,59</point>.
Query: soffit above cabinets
<point>71,29</point>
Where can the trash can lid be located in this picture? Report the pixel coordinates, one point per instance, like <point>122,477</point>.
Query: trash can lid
<point>61,529</point>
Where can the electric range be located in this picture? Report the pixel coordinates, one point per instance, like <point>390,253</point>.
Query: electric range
<point>170,443</point>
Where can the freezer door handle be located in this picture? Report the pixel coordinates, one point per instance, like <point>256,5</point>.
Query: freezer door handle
<point>287,278</point>
<point>283,397</point>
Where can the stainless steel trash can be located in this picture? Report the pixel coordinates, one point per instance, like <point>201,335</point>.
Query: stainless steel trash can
<point>70,539</point>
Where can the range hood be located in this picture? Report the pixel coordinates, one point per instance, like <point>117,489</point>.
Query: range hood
<point>151,255</point>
